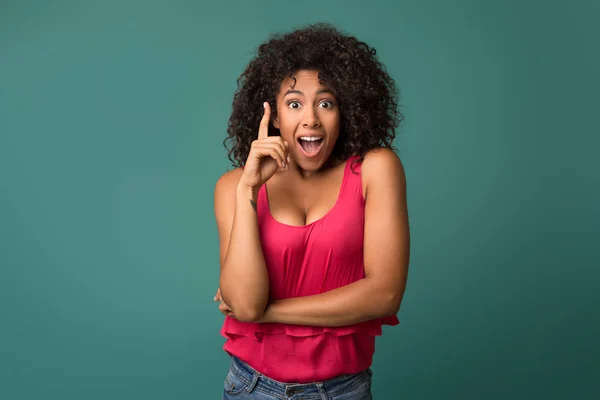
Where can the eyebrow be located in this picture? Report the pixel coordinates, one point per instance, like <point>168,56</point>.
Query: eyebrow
<point>294,91</point>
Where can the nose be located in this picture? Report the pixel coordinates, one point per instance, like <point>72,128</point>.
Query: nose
<point>310,118</point>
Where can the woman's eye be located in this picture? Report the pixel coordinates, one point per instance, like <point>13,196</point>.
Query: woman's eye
<point>326,104</point>
<point>293,104</point>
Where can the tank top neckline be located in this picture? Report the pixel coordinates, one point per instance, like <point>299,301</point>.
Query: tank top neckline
<point>331,210</point>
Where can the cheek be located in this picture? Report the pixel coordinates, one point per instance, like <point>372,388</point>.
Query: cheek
<point>286,129</point>
<point>286,121</point>
<point>333,126</point>
<point>333,140</point>
<point>332,119</point>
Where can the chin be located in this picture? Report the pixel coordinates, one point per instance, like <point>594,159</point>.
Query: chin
<point>311,164</point>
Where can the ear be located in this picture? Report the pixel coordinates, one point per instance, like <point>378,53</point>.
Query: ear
<point>275,122</point>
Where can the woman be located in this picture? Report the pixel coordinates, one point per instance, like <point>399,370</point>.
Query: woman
<point>313,224</point>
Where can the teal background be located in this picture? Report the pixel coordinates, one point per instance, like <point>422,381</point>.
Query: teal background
<point>112,117</point>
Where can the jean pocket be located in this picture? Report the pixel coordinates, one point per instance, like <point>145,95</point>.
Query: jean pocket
<point>233,385</point>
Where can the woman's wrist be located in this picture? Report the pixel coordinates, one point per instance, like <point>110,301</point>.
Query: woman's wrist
<point>247,192</point>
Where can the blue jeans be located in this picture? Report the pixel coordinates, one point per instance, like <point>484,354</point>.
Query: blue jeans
<point>243,382</point>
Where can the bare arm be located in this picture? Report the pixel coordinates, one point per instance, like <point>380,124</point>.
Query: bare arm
<point>244,280</point>
<point>386,257</point>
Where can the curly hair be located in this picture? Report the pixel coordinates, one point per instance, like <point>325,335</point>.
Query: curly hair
<point>366,94</point>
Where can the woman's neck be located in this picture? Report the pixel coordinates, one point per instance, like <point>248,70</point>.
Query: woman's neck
<point>329,165</point>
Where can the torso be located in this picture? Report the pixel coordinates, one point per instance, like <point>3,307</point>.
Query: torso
<point>299,202</point>
<point>312,238</point>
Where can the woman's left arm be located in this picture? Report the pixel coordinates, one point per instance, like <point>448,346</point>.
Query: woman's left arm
<point>386,257</point>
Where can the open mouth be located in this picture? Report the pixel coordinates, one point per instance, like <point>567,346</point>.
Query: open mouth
<point>310,145</point>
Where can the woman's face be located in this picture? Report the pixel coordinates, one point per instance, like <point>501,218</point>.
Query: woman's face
<point>308,118</point>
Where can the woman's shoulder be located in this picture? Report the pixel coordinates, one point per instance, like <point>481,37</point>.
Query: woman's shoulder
<point>380,159</point>
<point>228,181</point>
<point>381,165</point>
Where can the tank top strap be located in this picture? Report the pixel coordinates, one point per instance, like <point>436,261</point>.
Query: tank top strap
<point>354,167</point>
<point>352,184</point>
<point>262,203</point>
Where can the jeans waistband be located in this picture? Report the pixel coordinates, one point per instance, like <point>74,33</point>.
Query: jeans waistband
<point>316,390</point>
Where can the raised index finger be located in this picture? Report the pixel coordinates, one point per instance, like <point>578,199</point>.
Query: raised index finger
<point>263,130</point>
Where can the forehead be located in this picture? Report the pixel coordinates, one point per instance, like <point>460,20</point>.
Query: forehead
<point>302,80</point>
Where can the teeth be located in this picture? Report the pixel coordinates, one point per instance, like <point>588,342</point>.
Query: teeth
<point>310,138</point>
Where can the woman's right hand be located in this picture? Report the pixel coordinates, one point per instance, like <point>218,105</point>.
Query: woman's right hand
<point>267,154</point>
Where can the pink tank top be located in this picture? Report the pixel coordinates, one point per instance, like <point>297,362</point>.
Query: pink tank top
<point>303,261</point>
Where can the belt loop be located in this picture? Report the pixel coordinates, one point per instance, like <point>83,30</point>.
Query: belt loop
<point>370,372</point>
<point>322,391</point>
<point>253,382</point>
